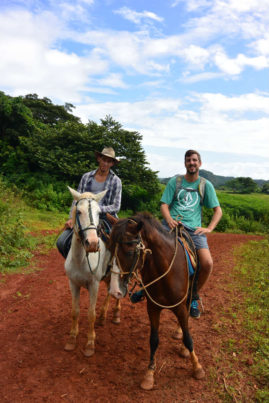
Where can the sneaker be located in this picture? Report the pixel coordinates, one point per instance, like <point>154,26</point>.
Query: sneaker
<point>194,311</point>
<point>137,296</point>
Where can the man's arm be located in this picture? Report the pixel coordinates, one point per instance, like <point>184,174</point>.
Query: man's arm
<point>213,223</point>
<point>167,216</point>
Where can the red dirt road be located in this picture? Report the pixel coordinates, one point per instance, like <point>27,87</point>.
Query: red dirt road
<point>35,322</point>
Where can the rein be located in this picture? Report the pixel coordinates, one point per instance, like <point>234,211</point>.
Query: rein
<point>82,230</point>
<point>133,271</point>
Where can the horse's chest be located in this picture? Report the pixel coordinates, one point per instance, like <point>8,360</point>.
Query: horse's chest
<point>80,275</point>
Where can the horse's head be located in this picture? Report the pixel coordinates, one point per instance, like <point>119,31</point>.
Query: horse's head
<point>86,218</point>
<point>125,245</point>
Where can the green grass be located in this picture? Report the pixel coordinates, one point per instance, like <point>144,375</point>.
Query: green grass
<point>22,230</point>
<point>243,329</point>
<point>252,274</point>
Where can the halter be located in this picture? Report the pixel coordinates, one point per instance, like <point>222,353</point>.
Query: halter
<point>133,271</point>
<point>82,230</point>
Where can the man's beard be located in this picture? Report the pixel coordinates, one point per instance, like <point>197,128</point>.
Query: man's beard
<point>193,172</point>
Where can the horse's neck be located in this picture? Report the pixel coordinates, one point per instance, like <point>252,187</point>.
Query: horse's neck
<point>78,256</point>
<point>158,243</point>
<point>162,250</point>
<point>77,249</point>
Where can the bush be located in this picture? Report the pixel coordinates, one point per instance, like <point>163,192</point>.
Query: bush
<point>12,235</point>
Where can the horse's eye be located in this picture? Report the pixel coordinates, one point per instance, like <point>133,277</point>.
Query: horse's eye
<point>79,212</point>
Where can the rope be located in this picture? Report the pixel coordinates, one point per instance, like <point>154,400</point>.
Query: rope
<point>144,287</point>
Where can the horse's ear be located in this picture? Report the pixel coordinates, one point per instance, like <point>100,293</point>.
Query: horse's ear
<point>111,218</point>
<point>100,195</point>
<point>74,193</point>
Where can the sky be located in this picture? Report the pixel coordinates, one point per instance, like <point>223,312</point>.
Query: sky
<point>185,74</point>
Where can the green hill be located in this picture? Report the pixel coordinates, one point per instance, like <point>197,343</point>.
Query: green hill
<point>217,180</point>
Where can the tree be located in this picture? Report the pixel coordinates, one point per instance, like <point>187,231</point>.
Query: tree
<point>46,112</point>
<point>16,120</point>
<point>265,188</point>
<point>42,143</point>
<point>242,185</point>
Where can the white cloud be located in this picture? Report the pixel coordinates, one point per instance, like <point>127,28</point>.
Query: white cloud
<point>235,66</point>
<point>242,103</point>
<point>32,65</point>
<point>113,80</point>
<point>196,55</point>
<point>136,16</point>
<point>194,78</point>
<point>261,46</point>
<point>213,127</point>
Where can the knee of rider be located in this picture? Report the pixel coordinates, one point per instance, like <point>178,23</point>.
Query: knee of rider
<point>207,266</point>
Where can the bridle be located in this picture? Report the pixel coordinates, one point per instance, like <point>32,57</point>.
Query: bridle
<point>90,226</point>
<point>140,247</point>
<point>134,268</point>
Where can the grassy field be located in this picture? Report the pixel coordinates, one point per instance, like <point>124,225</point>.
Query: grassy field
<point>243,328</point>
<point>242,213</point>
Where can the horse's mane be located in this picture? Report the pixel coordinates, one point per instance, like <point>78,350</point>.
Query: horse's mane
<point>148,220</point>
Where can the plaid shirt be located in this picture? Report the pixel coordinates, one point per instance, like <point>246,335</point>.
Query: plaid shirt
<point>112,199</point>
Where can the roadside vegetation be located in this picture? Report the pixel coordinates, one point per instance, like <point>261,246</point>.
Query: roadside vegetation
<point>244,330</point>
<point>242,213</point>
<point>22,230</point>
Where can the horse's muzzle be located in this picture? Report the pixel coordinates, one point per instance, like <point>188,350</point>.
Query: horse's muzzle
<point>91,247</point>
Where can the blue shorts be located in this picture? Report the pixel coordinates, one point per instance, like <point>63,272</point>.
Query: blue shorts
<point>200,241</point>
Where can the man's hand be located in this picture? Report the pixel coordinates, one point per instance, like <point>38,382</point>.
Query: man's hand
<point>166,215</point>
<point>68,224</point>
<point>172,223</point>
<point>201,230</point>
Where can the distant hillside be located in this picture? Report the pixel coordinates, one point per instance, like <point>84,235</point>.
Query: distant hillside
<point>217,180</point>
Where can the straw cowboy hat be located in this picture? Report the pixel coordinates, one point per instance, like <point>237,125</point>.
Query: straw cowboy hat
<point>107,152</point>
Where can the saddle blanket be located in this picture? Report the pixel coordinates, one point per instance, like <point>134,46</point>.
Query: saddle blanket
<point>190,266</point>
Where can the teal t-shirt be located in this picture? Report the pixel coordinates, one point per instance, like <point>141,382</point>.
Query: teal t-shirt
<point>187,204</point>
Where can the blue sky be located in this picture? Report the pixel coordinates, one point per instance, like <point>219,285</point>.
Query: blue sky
<point>184,73</point>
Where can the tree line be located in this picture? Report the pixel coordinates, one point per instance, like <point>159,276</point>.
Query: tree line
<point>44,147</point>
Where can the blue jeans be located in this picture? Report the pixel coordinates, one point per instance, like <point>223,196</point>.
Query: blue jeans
<point>200,241</point>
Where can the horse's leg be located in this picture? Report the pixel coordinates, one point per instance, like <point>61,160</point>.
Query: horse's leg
<point>103,312</point>
<point>71,342</point>
<point>93,292</point>
<point>116,312</point>
<point>182,314</point>
<point>177,335</point>
<point>154,317</point>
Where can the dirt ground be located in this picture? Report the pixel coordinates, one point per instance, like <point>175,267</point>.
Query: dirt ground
<point>35,322</point>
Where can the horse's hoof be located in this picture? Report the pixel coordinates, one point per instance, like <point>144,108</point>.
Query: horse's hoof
<point>178,334</point>
<point>116,320</point>
<point>199,373</point>
<point>148,381</point>
<point>70,344</point>
<point>89,351</point>
<point>184,352</point>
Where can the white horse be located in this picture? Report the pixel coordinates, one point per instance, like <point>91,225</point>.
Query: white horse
<point>86,265</point>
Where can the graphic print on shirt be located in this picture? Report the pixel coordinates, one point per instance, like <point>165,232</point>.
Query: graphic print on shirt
<point>187,199</point>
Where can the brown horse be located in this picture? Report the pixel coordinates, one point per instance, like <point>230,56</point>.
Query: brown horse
<point>143,248</point>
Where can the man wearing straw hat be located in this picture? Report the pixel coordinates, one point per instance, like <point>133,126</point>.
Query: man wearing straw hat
<point>95,182</point>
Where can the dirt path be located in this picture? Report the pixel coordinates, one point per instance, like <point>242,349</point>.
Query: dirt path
<point>35,321</point>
